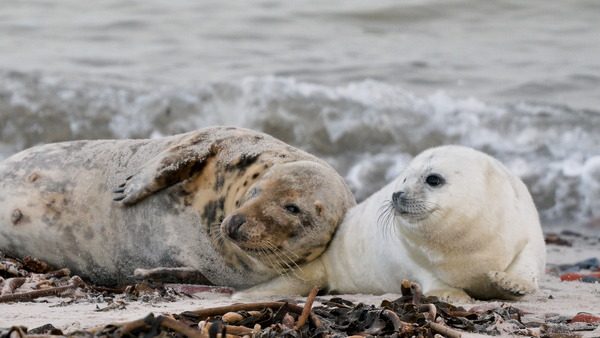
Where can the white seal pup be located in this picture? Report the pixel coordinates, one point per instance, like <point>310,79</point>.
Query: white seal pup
<point>456,221</point>
<point>234,205</point>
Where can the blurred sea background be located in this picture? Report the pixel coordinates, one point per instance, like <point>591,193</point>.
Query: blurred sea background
<point>365,85</point>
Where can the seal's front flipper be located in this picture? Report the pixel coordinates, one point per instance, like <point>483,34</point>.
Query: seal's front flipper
<point>450,294</point>
<point>173,165</point>
<point>172,275</point>
<point>280,286</point>
<point>510,287</point>
<point>298,282</point>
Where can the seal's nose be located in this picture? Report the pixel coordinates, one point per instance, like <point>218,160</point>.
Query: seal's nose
<point>397,196</point>
<point>233,226</point>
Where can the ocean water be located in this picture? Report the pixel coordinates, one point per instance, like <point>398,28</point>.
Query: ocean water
<point>364,85</point>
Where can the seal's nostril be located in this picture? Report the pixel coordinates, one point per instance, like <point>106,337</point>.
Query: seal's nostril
<point>397,195</point>
<point>234,224</point>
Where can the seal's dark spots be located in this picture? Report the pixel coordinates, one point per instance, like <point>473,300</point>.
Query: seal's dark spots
<point>233,226</point>
<point>33,177</point>
<point>212,210</point>
<point>16,216</point>
<point>255,175</point>
<point>319,209</point>
<point>244,162</point>
<point>245,183</point>
<point>237,204</point>
<point>219,183</point>
<point>197,167</point>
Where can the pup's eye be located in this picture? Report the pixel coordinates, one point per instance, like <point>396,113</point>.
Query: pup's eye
<point>435,180</point>
<point>255,192</point>
<point>292,208</point>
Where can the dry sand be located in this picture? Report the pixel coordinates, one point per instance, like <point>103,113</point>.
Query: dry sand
<point>554,298</point>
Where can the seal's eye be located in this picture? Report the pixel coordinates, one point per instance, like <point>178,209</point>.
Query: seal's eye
<point>292,208</point>
<point>435,180</point>
<point>255,192</point>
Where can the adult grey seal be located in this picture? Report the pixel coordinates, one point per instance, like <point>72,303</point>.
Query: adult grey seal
<point>237,206</point>
<point>456,221</point>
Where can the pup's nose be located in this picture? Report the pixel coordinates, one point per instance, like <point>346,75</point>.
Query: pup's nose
<point>397,196</point>
<point>233,226</point>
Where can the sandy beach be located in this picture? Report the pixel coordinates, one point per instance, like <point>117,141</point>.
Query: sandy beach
<point>556,302</point>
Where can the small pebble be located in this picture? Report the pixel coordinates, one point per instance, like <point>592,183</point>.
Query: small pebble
<point>570,233</point>
<point>568,268</point>
<point>590,279</point>
<point>232,317</point>
<point>558,319</point>
<point>557,240</point>
<point>581,326</point>
<point>288,321</point>
<point>567,277</point>
<point>585,318</point>
<point>550,314</point>
<point>588,264</point>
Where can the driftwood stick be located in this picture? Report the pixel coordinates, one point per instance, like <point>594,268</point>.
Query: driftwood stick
<point>307,307</point>
<point>230,329</point>
<point>315,320</point>
<point>36,265</point>
<point>57,273</point>
<point>11,284</point>
<point>215,311</point>
<point>74,283</point>
<point>405,288</point>
<point>125,329</point>
<point>416,293</point>
<point>393,317</point>
<point>446,331</point>
<point>102,289</point>
<point>430,309</point>
<point>17,331</point>
<point>460,313</point>
<point>179,327</point>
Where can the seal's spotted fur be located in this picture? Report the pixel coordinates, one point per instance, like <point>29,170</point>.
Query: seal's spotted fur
<point>175,202</point>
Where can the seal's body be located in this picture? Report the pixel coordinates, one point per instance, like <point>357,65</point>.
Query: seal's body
<point>456,221</point>
<point>238,206</point>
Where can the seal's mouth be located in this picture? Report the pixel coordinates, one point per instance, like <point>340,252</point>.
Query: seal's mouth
<point>258,249</point>
<point>412,209</point>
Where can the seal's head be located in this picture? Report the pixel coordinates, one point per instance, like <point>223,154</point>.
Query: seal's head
<point>288,216</point>
<point>452,188</point>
